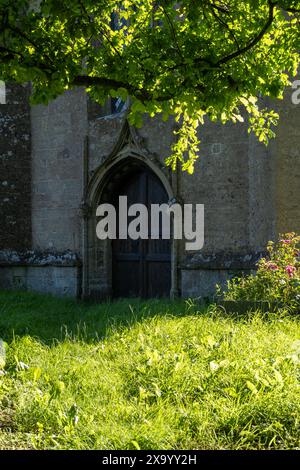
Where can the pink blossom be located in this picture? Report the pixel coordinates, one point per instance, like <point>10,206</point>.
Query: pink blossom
<point>290,270</point>
<point>286,242</point>
<point>272,266</point>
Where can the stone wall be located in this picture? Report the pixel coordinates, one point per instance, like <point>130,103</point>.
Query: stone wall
<point>59,131</point>
<point>250,193</point>
<point>235,178</point>
<point>41,189</point>
<point>55,273</point>
<point>15,169</point>
<point>220,182</point>
<point>60,281</point>
<point>287,166</point>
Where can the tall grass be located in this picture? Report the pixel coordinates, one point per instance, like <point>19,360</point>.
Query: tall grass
<point>148,375</point>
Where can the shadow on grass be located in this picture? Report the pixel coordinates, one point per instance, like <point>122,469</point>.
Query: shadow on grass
<point>49,318</point>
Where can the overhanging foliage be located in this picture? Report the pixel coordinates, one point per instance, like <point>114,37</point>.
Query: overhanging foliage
<point>190,59</point>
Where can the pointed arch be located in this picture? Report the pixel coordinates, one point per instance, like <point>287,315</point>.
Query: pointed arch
<point>128,148</point>
<point>128,153</point>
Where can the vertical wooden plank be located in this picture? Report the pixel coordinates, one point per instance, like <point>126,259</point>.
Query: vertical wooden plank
<point>141,268</point>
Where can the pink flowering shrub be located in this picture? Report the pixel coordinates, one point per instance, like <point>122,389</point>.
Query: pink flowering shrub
<point>277,278</point>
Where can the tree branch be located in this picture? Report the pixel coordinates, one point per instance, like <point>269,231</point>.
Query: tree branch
<point>109,84</point>
<point>86,80</point>
<point>221,9</point>
<point>223,23</point>
<point>172,30</point>
<point>254,41</point>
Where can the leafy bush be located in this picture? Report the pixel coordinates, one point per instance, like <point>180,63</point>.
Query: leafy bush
<point>277,278</point>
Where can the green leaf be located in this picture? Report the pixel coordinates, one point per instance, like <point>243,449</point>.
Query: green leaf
<point>252,387</point>
<point>180,59</point>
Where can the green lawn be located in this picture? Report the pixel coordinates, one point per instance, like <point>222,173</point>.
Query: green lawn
<point>149,375</point>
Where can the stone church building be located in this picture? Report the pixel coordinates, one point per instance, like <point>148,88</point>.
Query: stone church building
<point>59,162</point>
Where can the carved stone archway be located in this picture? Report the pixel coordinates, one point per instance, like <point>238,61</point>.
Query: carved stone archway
<point>97,271</point>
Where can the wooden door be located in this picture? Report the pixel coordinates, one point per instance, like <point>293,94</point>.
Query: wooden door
<point>141,268</point>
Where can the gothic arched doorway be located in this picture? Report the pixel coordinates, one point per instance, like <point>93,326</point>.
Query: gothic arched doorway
<point>140,268</point>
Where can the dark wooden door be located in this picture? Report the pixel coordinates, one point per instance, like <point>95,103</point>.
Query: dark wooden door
<point>141,268</point>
